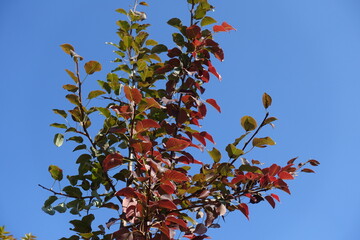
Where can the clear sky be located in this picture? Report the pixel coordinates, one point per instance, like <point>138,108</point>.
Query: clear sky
<point>304,53</point>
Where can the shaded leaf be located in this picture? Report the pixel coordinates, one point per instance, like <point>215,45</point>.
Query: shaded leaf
<point>175,176</point>
<point>72,75</point>
<point>60,112</point>
<point>244,209</point>
<point>307,170</point>
<point>270,201</point>
<point>167,204</point>
<point>159,48</point>
<point>58,125</point>
<point>70,87</point>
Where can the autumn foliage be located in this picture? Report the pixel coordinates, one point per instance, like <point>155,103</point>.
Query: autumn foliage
<point>139,162</point>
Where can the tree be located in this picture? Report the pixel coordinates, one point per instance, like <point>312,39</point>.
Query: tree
<point>138,162</point>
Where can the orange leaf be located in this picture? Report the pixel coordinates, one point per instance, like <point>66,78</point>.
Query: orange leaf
<point>132,94</point>
<point>275,196</point>
<point>227,26</point>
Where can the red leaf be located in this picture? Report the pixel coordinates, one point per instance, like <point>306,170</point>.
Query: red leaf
<point>275,196</point>
<point>244,209</point>
<point>168,187</point>
<point>285,175</point>
<point>213,103</point>
<point>175,176</point>
<point>151,102</point>
<point>238,179</point>
<point>291,161</point>
<point>202,110</point>
<point>145,124</point>
<point>127,192</point>
<point>224,27</point>
<point>178,221</point>
<point>207,136</point>
<point>132,94</point>
<point>142,147</point>
<point>166,204</point>
<point>200,138</point>
<point>270,201</point>
<point>111,161</point>
<point>213,71</point>
<point>274,169</point>
<point>174,144</point>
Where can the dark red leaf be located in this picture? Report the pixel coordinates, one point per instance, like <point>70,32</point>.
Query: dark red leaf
<point>193,32</point>
<point>174,52</point>
<point>142,147</point>
<point>307,170</point>
<point>244,209</point>
<point>274,169</point>
<point>213,103</point>
<point>291,161</point>
<point>168,187</point>
<point>111,161</point>
<point>313,162</point>
<point>200,138</point>
<point>270,201</point>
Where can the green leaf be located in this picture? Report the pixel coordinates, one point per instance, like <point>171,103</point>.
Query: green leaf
<point>262,142</point>
<point>215,155</point>
<point>159,48</point>
<point>58,139</point>
<point>207,21</point>
<point>61,208</point>
<point>175,22</point>
<point>105,86</point>
<point>83,225</point>
<point>178,39</point>
<point>70,87</point>
<point>92,67</point>
<point>248,123</point>
<point>50,201</point>
<point>77,139</point>
<point>49,210</point>
<point>80,147</point>
<point>74,99</point>
<point>58,125</point>
<point>122,11</point>
<point>104,111</point>
<point>151,42</point>
<point>96,93</point>
<point>233,152</point>
<point>73,191</point>
<point>60,112</point>
<point>56,172</point>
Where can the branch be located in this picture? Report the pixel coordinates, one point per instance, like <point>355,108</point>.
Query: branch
<point>67,195</point>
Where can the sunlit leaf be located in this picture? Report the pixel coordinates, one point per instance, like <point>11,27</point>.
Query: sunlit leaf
<point>266,99</point>
<point>207,21</point>
<point>67,48</point>
<point>215,155</point>
<point>58,139</point>
<point>96,93</point>
<point>92,67</point>
<point>285,175</point>
<point>213,103</point>
<point>56,172</point>
<point>174,144</point>
<point>262,142</point>
<point>248,123</point>
<point>111,161</point>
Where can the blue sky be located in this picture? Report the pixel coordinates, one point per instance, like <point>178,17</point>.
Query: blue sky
<point>305,54</point>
